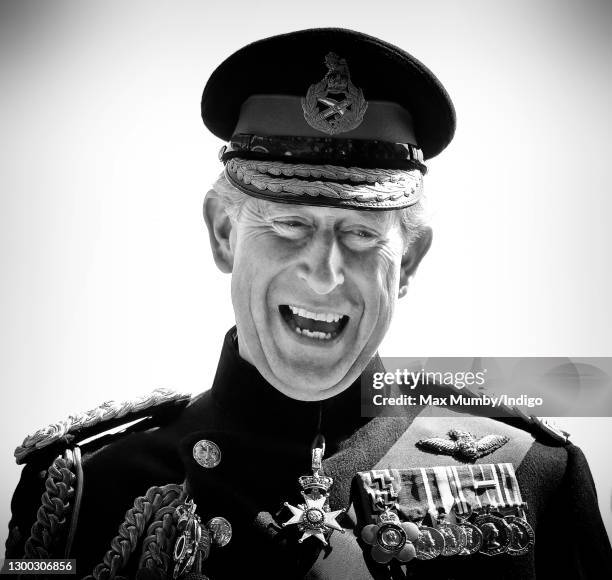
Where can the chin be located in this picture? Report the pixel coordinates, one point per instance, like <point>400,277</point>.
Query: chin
<point>311,386</point>
<point>308,392</point>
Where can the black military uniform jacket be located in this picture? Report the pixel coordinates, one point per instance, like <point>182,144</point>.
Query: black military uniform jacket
<point>265,441</point>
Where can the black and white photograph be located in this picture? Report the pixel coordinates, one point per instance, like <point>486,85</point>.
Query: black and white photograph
<point>314,290</point>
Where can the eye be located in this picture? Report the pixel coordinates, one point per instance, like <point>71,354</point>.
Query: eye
<point>289,227</point>
<point>359,238</point>
<point>361,233</point>
<point>290,223</point>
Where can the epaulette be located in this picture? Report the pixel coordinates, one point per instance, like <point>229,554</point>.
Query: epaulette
<point>542,426</point>
<point>539,427</point>
<point>55,521</point>
<point>160,404</point>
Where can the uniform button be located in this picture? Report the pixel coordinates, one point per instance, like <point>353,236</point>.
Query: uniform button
<point>221,531</point>
<point>206,453</point>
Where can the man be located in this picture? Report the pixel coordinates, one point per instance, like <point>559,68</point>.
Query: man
<point>273,472</point>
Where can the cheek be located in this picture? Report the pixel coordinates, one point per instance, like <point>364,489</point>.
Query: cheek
<point>249,268</point>
<point>381,271</point>
<point>384,288</point>
<point>259,259</point>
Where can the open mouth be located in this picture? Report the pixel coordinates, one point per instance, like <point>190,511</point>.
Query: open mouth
<point>318,325</point>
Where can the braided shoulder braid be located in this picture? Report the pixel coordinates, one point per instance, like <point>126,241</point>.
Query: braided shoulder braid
<point>152,513</point>
<point>49,530</point>
<point>158,544</point>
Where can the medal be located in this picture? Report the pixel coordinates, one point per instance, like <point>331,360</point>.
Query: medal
<point>496,534</point>
<point>468,509</point>
<point>391,538</point>
<point>473,535</point>
<point>430,544</point>
<point>193,545</point>
<point>463,511</point>
<point>473,538</point>
<point>313,517</point>
<point>454,536</point>
<point>523,536</point>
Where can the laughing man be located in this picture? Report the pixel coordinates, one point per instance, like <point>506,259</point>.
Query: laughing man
<point>273,472</point>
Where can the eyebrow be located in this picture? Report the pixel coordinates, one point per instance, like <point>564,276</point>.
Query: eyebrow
<point>272,209</point>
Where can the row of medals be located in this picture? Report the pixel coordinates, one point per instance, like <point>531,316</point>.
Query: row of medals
<point>484,531</point>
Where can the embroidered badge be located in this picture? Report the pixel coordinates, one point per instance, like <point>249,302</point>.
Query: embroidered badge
<point>334,104</point>
<point>463,445</point>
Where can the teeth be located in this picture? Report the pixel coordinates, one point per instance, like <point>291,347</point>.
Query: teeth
<point>314,334</point>
<point>323,316</point>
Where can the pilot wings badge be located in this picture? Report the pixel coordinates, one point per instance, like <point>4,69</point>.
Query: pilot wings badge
<point>334,104</point>
<point>462,445</point>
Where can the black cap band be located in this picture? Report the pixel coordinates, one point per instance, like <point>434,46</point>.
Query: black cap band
<point>325,150</point>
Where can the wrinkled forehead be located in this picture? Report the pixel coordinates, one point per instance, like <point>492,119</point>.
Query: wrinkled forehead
<point>381,220</point>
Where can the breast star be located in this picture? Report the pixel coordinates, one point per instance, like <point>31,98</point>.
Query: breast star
<point>463,445</point>
<point>312,519</point>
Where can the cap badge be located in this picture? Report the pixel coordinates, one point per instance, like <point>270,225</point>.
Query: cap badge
<point>463,445</point>
<point>334,104</point>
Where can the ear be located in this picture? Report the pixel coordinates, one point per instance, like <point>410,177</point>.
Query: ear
<point>219,227</point>
<point>412,258</point>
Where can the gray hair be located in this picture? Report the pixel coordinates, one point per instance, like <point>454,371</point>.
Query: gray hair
<point>413,219</point>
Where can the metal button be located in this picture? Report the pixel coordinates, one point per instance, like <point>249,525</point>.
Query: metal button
<point>221,531</point>
<point>206,453</point>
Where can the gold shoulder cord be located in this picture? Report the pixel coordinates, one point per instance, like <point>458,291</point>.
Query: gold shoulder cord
<point>151,520</point>
<point>152,514</point>
<point>59,506</point>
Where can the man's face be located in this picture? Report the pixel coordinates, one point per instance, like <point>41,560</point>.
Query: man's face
<point>313,290</point>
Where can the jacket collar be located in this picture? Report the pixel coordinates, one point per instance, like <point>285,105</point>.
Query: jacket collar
<point>244,395</point>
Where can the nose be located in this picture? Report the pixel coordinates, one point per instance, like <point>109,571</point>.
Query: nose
<point>322,264</point>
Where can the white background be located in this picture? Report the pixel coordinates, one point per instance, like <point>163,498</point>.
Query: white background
<point>108,288</point>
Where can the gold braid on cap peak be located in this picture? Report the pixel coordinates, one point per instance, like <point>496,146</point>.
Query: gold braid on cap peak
<point>397,187</point>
